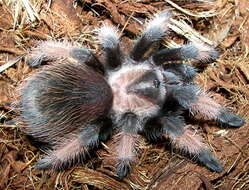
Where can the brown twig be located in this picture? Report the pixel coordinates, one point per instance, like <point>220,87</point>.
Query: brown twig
<point>11,50</point>
<point>9,64</point>
<point>240,149</point>
<point>165,175</point>
<point>37,35</point>
<point>200,15</point>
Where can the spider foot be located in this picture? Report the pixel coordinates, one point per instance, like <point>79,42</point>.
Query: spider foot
<point>123,168</point>
<point>207,159</point>
<point>48,50</point>
<point>35,61</point>
<point>44,164</point>
<point>199,52</point>
<point>230,119</point>
<point>158,22</point>
<point>108,36</point>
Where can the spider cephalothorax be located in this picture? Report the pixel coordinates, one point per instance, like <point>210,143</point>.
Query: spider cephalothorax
<point>77,102</point>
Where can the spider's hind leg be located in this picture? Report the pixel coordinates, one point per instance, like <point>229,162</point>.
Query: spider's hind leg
<point>173,126</point>
<point>126,143</point>
<point>191,143</point>
<point>73,149</point>
<point>153,33</point>
<point>127,148</point>
<point>55,50</point>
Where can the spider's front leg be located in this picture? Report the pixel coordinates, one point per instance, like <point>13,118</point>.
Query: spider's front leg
<point>193,52</point>
<point>175,73</point>
<point>109,39</point>
<point>55,50</point>
<point>192,143</point>
<point>126,143</point>
<point>73,148</point>
<point>200,104</point>
<point>153,33</point>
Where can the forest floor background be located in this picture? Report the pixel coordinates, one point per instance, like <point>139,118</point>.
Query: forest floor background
<point>224,22</point>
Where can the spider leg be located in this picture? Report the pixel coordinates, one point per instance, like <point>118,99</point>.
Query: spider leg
<point>199,103</point>
<point>190,142</point>
<point>126,145</point>
<point>184,72</point>
<point>153,33</point>
<point>193,51</point>
<point>54,50</point>
<point>73,149</point>
<point>171,125</point>
<point>126,152</point>
<point>109,39</point>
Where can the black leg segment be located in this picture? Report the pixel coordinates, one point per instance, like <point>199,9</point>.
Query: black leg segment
<point>109,39</point>
<point>85,56</point>
<point>183,71</point>
<point>193,52</point>
<point>153,33</point>
<point>230,119</point>
<point>207,159</point>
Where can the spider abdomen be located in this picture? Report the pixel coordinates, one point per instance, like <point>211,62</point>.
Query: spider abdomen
<point>62,98</point>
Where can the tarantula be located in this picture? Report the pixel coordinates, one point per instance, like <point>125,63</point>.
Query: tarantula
<point>75,103</point>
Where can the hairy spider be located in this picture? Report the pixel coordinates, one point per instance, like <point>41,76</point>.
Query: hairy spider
<point>76,102</point>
